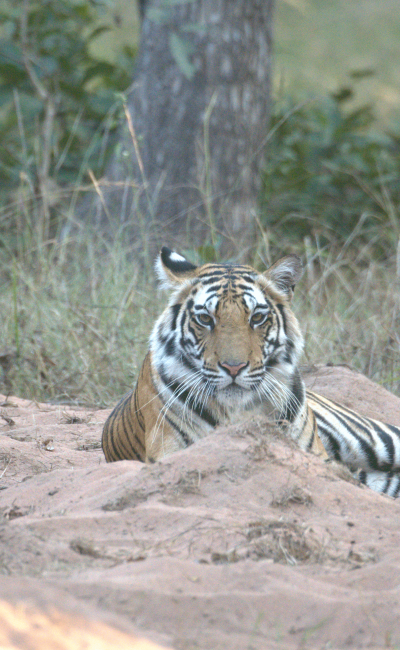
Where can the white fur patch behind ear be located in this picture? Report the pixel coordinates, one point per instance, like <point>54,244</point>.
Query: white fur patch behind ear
<point>173,269</point>
<point>175,257</point>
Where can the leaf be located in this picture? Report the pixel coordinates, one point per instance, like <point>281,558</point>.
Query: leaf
<point>101,103</point>
<point>46,66</point>
<point>99,69</point>
<point>181,49</point>
<point>363,73</point>
<point>6,95</point>
<point>11,55</point>
<point>343,94</point>
<point>98,31</point>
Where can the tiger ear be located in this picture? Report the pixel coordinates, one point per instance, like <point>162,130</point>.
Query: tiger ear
<point>285,273</point>
<point>173,269</point>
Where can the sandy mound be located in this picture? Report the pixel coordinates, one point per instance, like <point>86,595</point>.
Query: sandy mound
<point>240,542</point>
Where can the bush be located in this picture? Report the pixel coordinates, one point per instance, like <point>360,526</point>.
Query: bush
<point>58,104</point>
<point>331,174</point>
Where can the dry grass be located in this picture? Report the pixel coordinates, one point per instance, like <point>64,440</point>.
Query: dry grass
<point>294,495</point>
<point>77,313</point>
<point>73,418</point>
<point>349,311</point>
<point>283,541</point>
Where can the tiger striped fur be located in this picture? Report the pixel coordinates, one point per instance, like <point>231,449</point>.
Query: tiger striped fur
<point>229,343</point>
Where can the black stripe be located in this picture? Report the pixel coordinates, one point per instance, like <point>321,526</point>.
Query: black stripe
<point>296,399</point>
<point>362,477</point>
<point>175,311</point>
<point>212,278</point>
<point>393,428</point>
<point>213,288</point>
<point>186,362</point>
<point>334,447</point>
<point>183,397</point>
<point>111,439</point>
<point>138,412</point>
<point>397,490</point>
<point>248,291</point>
<point>359,419</point>
<point>314,430</point>
<point>282,312</point>
<point>108,437</point>
<point>182,433</point>
<point>388,442</point>
<point>131,429</point>
<point>107,442</point>
<point>126,452</point>
<point>119,443</point>
<point>289,347</point>
<point>232,270</point>
<point>369,453</point>
<point>353,417</point>
<point>388,482</point>
<point>170,347</point>
<point>331,403</point>
<point>350,418</point>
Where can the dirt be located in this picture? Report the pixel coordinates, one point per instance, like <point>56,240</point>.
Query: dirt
<point>241,541</point>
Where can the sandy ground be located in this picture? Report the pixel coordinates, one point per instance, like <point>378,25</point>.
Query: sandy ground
<point>240,542</point>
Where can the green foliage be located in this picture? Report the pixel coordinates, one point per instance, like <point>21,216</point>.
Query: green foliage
<point>58,103</point>
<point>330,173</point>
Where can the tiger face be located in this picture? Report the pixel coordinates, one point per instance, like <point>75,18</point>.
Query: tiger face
<point>228,335</point>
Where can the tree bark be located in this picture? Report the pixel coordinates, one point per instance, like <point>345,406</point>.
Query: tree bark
<point>201,123</point>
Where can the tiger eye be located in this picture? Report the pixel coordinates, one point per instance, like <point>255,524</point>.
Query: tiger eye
<point>257,318</point>
<point>204,319</point>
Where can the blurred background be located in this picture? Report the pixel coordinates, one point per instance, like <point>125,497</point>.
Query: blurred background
<point>81,218</point>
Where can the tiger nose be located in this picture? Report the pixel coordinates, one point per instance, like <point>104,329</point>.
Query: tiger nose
<point>233,369</point>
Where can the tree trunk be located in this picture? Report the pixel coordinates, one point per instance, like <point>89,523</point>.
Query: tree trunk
<point>199,107</point>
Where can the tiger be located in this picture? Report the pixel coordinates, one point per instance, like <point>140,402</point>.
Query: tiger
<point>229,344</point>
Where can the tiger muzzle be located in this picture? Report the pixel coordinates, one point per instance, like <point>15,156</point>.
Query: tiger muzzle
<point>233,369</point>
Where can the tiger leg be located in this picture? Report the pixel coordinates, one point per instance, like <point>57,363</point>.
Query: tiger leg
<point>382,482</point>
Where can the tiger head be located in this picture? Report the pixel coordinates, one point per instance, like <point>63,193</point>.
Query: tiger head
<point>228,333</point>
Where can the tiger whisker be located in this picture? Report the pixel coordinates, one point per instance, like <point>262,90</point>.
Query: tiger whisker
<point>171,383</point>
<point>189,412</point>
<point>278,393</point>
<point>168,404</point>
